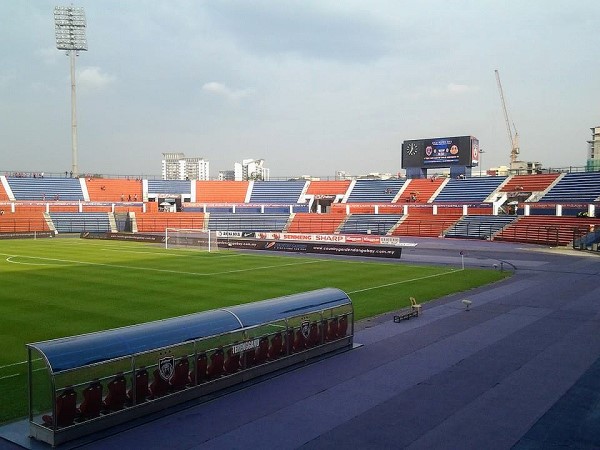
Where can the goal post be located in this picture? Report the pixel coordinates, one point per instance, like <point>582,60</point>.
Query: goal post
<point>193,239</point>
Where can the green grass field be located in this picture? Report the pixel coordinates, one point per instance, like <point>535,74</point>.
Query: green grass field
<point>61,287</point>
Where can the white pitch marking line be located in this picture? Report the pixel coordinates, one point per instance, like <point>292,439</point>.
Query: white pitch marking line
<point>402,282</point>
<point>150,269</point>
<point>10,376</point>
<point>15,364</point>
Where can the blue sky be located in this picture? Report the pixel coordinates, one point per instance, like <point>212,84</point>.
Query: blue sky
<point>311,87</point>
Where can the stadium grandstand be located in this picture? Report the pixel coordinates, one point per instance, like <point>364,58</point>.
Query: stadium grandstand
<point>554,208</point>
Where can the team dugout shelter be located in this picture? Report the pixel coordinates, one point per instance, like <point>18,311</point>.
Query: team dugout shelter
<point>459,153</point>
<point>83,384</point>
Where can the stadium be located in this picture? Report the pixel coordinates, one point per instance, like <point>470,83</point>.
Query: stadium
<point>431,307</point>
<point>78,247</point>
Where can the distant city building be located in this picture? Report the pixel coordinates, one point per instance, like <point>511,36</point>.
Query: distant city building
<point>175,166</point>
<point>377,176</point>
<point>525,167</point>
<point>226,175</point>
<point>249,169</point>
<point>593,157</point>
<point>501,171</point>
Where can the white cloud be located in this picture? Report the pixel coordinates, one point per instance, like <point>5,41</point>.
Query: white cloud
<point>451,89</point>
<point>6,78</point>
<point>454,88</point>
<point>50,55</point>
<point>231,94</point>
<point>92,78</point>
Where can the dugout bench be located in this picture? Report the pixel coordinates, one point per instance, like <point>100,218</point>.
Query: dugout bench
<point>83,384</point>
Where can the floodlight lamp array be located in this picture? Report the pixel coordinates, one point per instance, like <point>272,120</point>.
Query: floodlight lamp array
<point>69,25</point>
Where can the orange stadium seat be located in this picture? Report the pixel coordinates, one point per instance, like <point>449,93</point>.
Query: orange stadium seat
<point>529,183</point>
<point>420,190</point>
<point>158,221</point>
<point>315,223</point>
<point>114,190</point>
<point>221,191</point>
<point>23,219</point>
<point>319,187</point>
<point>421,221</point>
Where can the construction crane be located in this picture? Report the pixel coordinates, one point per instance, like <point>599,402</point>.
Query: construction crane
<point>514,139</point>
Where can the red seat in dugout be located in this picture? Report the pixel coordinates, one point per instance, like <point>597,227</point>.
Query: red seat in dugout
<point>117,393</point>
<point>217,359</point>
<point>159,385</point>
<point>181,374</point>
<point>141,388</point>
<point>66,409</point>
<point>201,368</point>
<point>92,401</point>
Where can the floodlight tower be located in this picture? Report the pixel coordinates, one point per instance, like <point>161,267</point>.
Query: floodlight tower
<point>69,24</point>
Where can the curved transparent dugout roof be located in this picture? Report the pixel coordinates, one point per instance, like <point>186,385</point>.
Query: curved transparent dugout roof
<point>78,351</point>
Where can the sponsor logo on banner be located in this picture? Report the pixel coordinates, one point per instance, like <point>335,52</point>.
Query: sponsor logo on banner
<point>298,237</point>
<point>353,239</point>
<point>166,367</point>
<point>229,234</point>
<point>385,240</point>
<point>371,239</point>
<point>330,238</point>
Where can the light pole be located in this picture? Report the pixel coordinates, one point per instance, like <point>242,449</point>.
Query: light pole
<point>481,152</point>
<point>69,25</point>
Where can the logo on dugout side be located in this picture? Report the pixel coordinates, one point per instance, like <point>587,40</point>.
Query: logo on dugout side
<point>166,367</point>
<point>305,328</point>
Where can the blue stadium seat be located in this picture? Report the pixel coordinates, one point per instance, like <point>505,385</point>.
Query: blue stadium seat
<point>468,189</point>
<point>247,222</point>
<point>75,222</point>
<point>277,191</point>
<point>379,224</point>
<point>375,191</point>
<point>46,189</point>
<point>173,187</point>
<point>479,226</point>
<point>575,188</point>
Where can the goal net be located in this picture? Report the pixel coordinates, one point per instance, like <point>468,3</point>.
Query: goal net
<point>204,240</point>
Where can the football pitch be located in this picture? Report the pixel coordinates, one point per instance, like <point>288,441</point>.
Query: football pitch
<point>53,288</point>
